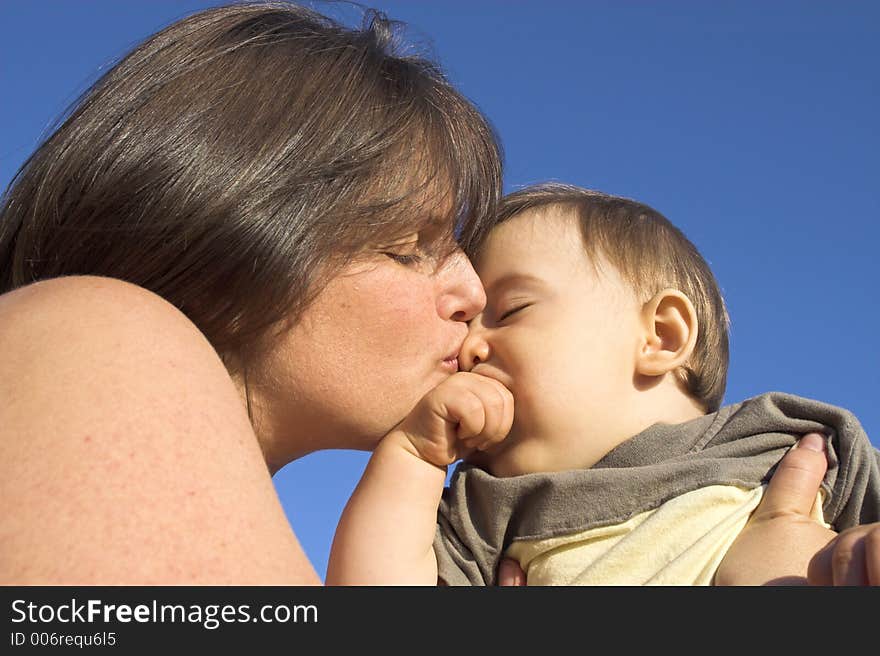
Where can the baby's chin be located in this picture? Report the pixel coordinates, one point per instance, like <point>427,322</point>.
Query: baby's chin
<point>479,459</point>
<point>489,461</point>
<point>498,461</point>
<point>521,452</point>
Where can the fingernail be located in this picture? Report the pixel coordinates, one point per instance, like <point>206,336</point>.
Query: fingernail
<point>813,442</point>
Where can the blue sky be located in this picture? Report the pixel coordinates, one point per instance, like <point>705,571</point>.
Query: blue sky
<point>751,125</point>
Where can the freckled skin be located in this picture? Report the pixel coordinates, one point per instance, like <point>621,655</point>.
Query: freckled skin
<point>95,469</point>
<point>406,320</point>
<point>173,466</point>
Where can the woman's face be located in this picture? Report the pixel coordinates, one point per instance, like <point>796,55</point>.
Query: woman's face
<point>383,332</point>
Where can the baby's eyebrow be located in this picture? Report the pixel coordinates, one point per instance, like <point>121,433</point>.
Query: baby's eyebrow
<point>515,278</point>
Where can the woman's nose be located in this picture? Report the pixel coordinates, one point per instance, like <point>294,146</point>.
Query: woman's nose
<point>474,350</point>
<point>462,296</point>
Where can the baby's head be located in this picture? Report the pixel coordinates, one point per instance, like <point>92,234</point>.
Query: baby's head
<point>602,319</point>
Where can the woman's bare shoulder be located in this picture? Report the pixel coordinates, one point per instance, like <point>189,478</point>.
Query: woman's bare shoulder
<point>126,454</point>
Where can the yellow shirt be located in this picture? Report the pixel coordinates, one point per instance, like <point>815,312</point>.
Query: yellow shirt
<point>681,542</point>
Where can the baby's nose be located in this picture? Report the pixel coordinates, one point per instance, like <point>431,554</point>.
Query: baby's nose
<point>474,350</point>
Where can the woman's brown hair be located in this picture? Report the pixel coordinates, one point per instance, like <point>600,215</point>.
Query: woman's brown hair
<point>230,161</point>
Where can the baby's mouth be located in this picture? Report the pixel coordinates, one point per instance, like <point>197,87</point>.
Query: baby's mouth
<point>489,372</point>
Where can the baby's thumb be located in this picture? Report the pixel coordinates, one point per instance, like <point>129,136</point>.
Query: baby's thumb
<point>797,478</point>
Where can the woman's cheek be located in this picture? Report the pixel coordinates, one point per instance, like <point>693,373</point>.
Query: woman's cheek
<point>410,317</point>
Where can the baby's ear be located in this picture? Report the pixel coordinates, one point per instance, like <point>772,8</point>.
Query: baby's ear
<point>669,324</point>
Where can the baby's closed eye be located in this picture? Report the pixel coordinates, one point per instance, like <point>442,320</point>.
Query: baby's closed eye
<point>513,309</point>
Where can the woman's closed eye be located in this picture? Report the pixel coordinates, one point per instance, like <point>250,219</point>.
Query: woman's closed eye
<point>406,259</point>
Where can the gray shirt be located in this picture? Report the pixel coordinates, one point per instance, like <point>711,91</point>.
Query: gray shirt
<point>481,515</point>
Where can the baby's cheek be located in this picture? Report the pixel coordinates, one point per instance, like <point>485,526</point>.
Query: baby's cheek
<point>533,409</point>
<point>559,404</point>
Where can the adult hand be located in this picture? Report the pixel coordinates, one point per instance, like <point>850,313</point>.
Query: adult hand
<point>782,544</point>
<point>510,573</point>
<point>852,558</point>
<point>780,539</point>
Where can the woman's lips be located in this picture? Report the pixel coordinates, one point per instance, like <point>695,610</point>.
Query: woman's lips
<point>450,364</point>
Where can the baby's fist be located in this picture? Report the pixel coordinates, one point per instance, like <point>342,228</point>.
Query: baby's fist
<point>464,413</point>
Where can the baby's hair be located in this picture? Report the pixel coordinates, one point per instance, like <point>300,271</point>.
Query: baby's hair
<point>651,254</point>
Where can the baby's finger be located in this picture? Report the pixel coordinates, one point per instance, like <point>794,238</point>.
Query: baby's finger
<point>471,413</point>
<point>499,412</point>
<point>478,427</point>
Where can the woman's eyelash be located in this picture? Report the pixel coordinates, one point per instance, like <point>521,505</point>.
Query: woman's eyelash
<point>513,311</point>
<point>406,259</point>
